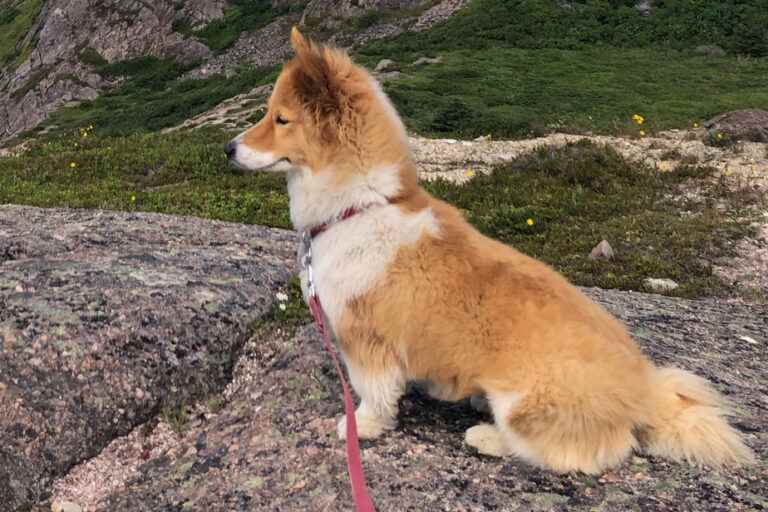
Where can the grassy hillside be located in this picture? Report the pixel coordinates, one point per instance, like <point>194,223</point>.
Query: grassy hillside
<point>510,69</point>
<point>516,68</point>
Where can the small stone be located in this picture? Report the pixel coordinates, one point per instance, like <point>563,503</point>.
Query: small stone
<point>709,50</point>
<point>384,65</point>
<point>660,285</point>
<point>65,506</point>
<point>427,60</point>
<point>602,251</point>
<point>751,341</point>
<point>388,76</point>
<point>139,394</point>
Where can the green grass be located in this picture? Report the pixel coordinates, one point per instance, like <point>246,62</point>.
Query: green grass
<point>511,92</point>
<point>16,18</point>
<point>576,196</point>
<point>736,25</point>
<point>180,173</point>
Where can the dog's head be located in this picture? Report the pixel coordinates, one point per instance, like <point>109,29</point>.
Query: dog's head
<point>325,115</point>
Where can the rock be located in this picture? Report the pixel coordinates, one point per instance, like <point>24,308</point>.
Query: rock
<point>602,251</point>
<point>65,506</point>
<point>421,61</point>
<point>660,285</point>
<point>163,302</point>
<point>746,125</point>
<point>187,52</point>
<point>644,7</point>
<point>384,65</point>
<point>124,314</point>
<point>273,445</point>
<point>710,50</point>
<point>319,9</point>
<point>388,76</point>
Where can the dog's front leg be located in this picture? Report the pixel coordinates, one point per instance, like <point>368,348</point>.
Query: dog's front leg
<point>379,393</point>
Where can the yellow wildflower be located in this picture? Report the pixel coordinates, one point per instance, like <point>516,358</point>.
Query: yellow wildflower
<point>133,199</point>
<point>719,136</point>
<point>529,222</point>
<point>469,173</point>
<point>638,119</point>
<point>695,125</point>
<point>642,133</point>
<point>72,165</point>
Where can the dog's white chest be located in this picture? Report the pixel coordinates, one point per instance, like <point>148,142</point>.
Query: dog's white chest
<point>352,256</point>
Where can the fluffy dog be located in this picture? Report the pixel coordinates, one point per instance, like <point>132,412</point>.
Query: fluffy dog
<point>412,292</point>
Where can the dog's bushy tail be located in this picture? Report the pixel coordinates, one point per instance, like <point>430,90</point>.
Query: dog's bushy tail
<point>689,423</point>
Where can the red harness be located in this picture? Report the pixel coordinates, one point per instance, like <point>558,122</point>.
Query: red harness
<point>360,495</point>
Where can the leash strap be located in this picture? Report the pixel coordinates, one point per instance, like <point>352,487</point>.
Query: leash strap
<point>363,502</point>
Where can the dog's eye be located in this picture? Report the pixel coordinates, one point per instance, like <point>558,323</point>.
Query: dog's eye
<point>281,120</point>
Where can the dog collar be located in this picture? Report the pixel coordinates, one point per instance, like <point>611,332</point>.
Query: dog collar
<point>349,212</point>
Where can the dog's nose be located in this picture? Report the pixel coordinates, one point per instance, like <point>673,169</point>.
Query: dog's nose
<point>230,149</point>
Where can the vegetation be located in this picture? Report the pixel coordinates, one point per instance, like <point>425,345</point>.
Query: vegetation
<point>738,26</point>
<point>521,68</point>
<point>243,15</point>
<point>16,18</point>
<point>153,97</point>
<point>510,92</point>
<point>574,197</point>
<point>557,204</point>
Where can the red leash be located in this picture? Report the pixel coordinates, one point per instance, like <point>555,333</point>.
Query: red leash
<point>363,502</point>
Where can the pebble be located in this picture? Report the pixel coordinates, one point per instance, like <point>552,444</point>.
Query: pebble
<point>65,506</point>
<point>660,285</point>
<point>602,251</point>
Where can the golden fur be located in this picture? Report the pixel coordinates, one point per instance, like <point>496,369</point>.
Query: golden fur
<point>569,388</point>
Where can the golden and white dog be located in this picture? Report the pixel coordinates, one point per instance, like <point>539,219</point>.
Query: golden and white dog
<point>413,293</point>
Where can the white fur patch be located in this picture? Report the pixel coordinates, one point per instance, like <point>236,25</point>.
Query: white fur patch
<point>378,405</point>
<point>250,159</point>
<point>502,404</point>
<point>317,198</point>
<point>353,254</point>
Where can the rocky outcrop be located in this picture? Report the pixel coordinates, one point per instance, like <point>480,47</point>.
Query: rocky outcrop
<point>55,74</point>
<point>328,21</point>
<point>740,125</point>
<point>353,8</point>
<point>107,318</point>
<point>272,446</point>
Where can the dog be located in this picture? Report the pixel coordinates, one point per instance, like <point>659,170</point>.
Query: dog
<point>412,292</point>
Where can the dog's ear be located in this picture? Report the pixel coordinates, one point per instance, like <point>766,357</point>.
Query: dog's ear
<point>319,75</point>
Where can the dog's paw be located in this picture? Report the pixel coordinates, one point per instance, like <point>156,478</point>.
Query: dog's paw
<point>486,439</point>
<point>367,427</point>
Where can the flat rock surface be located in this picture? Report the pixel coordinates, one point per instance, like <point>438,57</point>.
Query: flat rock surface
<point>106,318</point>
<point>272,445</point>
